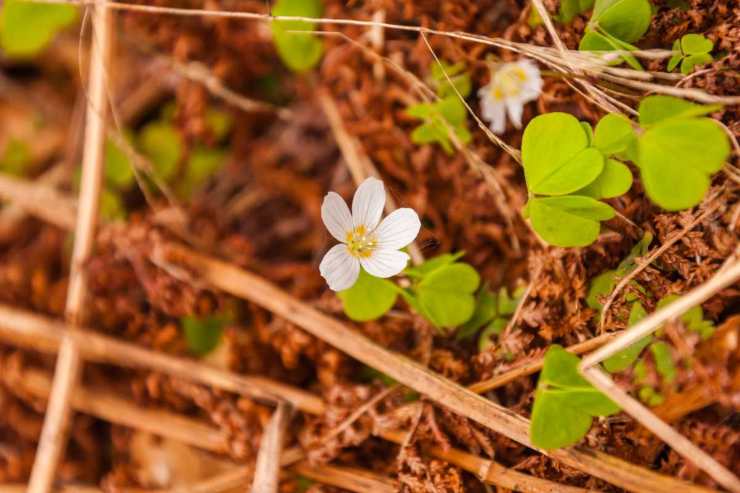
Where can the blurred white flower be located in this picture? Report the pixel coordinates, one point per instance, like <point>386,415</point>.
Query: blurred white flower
<point>365,239</point>
<point>512,86</point>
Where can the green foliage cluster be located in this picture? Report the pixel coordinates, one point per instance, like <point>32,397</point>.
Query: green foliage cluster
<point>447,113</point>
<point>161,143</point>
<point>569,168</point>
<point>689,51</point>
<point>300,51</point>
<point>26,28</point>
<point>442,290</point>
<point>614,24</point>
<point>564,403</point>
<point>629,357</point>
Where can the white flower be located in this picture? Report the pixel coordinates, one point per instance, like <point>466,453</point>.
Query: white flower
<point>365,240</point>
<point>512,85</point>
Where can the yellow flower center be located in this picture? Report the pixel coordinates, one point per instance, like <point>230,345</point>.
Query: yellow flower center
<point>508,82</point>
<point>360,243</point>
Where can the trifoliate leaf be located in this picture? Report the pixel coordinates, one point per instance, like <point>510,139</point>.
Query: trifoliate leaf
<point>613,134</point>
<point>571,8</point>
<point>655,109</point>
<point>300,51</point>
<point>564,402</point>
<point>460,79</point>
<point>370,297</point>
<point>613,181</point>
<point>441,117</point>
<point>695,44</point>
<point>445,295</point>
<point>162,144</point>
<point>626,20</point>
<point>556,156</point>
<point>677,158</point>
<point>202,334</point>
<point>568,221</point>
<point>26,28</point>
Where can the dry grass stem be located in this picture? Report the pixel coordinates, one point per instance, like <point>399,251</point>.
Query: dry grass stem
<point>39,199</point>
<point>267,467</point>
<point>534,366</point>
<point>348,478</point>
<point>712,205</point>
<point>42,334</point>
<point>725,277</point>
<point>251,287</point>
<point>53,435</point>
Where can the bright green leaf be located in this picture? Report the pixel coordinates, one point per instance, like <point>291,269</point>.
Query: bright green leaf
<point>626,20</point>
<point>26,28</point>
<point>201,165</point>
<point>589,132</point>
<point>614,181</point>
<point>569,221</point>
<point>556,156</point>
<point>432,264</point>
<point>658,108</point>
<point>695,44</point>
<point>445,295</point>
<point>369,298</point>
<point>600,287</point>
<point>457,74</point>
<point>202,334</point>
<point>688,63</point>
<point>677,158</point>
<point>613,134</point>
<point>564,402</point>
<point>300,51</point>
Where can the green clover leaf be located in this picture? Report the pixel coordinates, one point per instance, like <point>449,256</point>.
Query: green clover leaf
<point>656,109</point>
<point>370,297</point>
<point>625,358</point>
<point>568,221</point>
<point>677,158</point>
<point>565,403</point>
<point>614,180</point>
<point>626,20</point>
<point>162,144</point>
<point>445,295</point>
<point>556,156</point>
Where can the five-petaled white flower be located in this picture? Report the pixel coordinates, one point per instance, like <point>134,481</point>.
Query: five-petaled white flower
<point>512,85</point>
<point>365,240</point>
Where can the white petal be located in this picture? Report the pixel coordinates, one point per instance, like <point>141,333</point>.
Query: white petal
<point>515,108</point>
<point>336,216</point>
<point>368,203</point>
<point>495,113</point>
<point>339,268</point>
<point>398,229</point>
<point>385,263</point>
